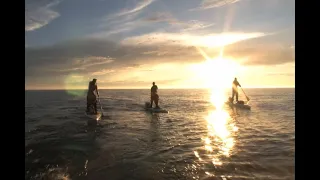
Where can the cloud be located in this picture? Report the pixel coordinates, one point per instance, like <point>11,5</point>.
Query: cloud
<point>128,23</point>
<point>86,55</point>
<point>160,17</point>
<point>122,21</point>
<point>86,62</point>
<point>196,25</point>
<point>261,51</point>
<point>103,72</point>
<point>97,57</point>
<point>39,13</point>
<point>209,4</point>
<point>115,28</point>
<point>210,40</point>
<point>183,26</point>
<point>128,14</point>
<point>138,7</point>
<point>111,61</point>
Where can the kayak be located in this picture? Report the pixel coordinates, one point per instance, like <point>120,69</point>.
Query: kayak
<point>240,106</point>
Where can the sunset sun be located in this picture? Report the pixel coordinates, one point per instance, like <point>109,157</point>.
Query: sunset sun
<point>217,74</point>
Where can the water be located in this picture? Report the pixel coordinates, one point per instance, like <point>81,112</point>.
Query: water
<point>193,141</point>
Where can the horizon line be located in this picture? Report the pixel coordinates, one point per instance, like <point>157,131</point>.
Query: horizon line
<point>281,87</point>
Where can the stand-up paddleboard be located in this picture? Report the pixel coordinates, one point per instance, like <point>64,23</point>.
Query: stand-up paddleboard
<point>154,110</point>
<point>96,117</point>
<point>93,118</point>
<point>240,106</point>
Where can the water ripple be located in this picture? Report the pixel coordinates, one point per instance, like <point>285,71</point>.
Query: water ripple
<point>193,141</point>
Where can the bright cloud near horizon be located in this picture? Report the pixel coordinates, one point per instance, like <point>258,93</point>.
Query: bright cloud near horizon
<point>131,43</point>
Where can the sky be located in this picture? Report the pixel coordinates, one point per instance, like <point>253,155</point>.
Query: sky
<point>131,43</point>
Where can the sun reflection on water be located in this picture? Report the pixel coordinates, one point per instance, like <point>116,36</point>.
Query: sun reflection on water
<point>220,131</point>
<point>219,141</point>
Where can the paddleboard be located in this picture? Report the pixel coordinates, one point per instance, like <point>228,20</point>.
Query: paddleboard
<point>94,116</point>
<point>156,110</point>
<point>240,106</point>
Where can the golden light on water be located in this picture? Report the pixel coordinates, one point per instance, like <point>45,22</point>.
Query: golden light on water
<point>219,74</point>
<point>217,121</point>
<point>218,97</point>
<point>219,141</point>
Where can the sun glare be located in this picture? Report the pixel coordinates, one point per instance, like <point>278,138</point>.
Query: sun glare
<point>217,74</point>
<point>219,142</point>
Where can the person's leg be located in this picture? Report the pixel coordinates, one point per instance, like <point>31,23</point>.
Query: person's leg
<point>88,105</point>
<point>156,101</point>
<point>95,107</point>
<point>237,95</point>
<point>232,95</point>
<point>151,102</point>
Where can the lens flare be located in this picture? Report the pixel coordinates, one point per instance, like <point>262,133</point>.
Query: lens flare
<point>74,84</point>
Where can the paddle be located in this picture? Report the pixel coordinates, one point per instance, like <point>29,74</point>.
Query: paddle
<point>248,99</point>
<point>100,106</point>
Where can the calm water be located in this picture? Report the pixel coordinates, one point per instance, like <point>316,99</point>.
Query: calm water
<point>193,141</point>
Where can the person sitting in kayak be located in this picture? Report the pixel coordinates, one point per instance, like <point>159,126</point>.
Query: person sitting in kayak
<point>91,97</point>
<point>154,95</point>
<point>235,85</point>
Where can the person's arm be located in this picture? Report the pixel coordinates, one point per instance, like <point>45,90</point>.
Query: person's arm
<point>97,90</point>
<point>239,84</point>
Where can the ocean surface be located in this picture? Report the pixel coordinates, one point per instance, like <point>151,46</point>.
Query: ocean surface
<point>195,140</point>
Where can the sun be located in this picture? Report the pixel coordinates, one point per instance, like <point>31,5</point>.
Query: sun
<point>217,74</point>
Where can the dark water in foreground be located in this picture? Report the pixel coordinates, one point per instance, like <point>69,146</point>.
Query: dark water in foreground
<point>193,141</point>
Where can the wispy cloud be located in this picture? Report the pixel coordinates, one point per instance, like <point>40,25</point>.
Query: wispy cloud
<point>127,14</point>
<point>209,4</point>
<point>81,64</point>
<point>210,40</point>
<point>86,62</point>
<point>196,25</point>
<point>190,25</point>
<point>138,7</point>
<point>160,17</point>
<point>116,28</point>
<point>103,72</point>
<point>122,21</point>
<point>39,13</point>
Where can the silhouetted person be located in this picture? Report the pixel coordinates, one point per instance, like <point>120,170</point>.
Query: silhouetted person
<point>235,85</point>
<point>91,97</point>
<point>154,95</point>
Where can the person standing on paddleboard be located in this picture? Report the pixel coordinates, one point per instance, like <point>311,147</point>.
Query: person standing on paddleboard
<point>235,85</point>
<point>154,95</point>
<point>91,97</point>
